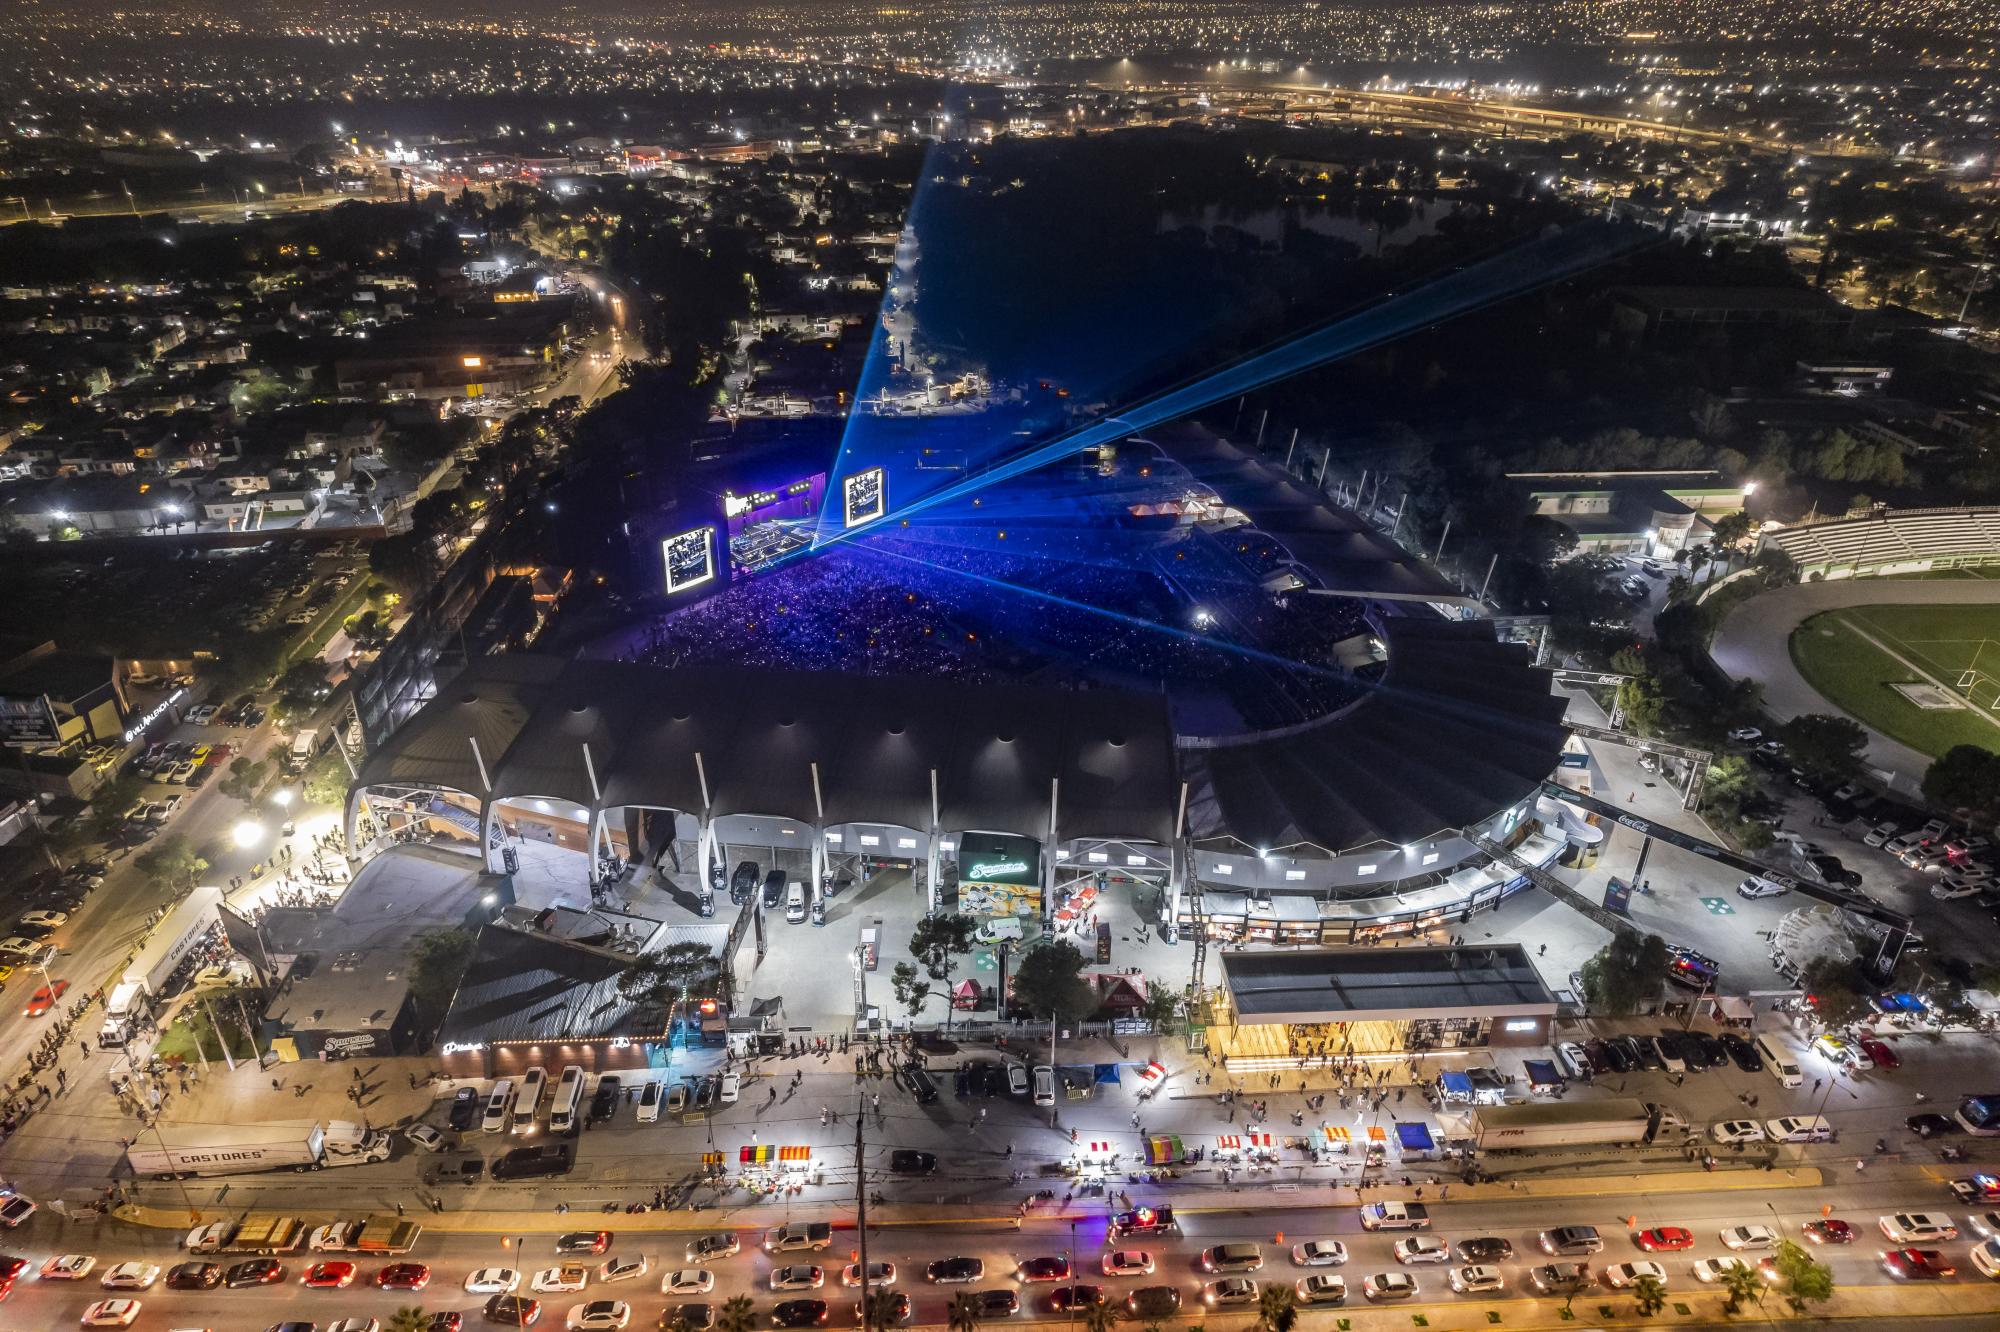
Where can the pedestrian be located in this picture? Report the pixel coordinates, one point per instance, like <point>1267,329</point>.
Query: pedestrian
<point>1859,1165</point>
<point>1543,951</point>
<point>399,1209</point>
<point>276,1085</point>
<point>1816,1083</point>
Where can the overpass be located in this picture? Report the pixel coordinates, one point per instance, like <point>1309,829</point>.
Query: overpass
<point>1895,925</point>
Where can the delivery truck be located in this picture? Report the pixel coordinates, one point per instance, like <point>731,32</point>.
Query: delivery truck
<point>1560,1124</point>
<point>199,1151</point>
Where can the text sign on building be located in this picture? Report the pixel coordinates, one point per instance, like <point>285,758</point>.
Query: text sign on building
<point>864,497</point>
<point>689,559</point>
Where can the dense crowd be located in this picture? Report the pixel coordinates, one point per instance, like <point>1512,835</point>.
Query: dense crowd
<point>1084,604</point>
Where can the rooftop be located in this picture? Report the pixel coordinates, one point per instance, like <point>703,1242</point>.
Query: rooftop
<point>1360,984</point>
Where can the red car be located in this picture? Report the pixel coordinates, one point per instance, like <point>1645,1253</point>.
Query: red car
<point>45,998</point>
<point>1045,1269</point>
<point>1829,1231</point>
<point>1917,1264</point>
<point>1665,1239</point>
<point>1880,1052</point>
<point>447,1321</point>
<point>403,1276</point>
<point>329,1276</point>
<point>11,1267</point>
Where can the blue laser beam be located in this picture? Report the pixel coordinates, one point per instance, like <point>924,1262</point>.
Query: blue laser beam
<point>1548,259</point>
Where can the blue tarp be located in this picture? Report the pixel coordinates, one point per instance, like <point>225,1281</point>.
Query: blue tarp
<point>1542,1073</point>
<point>1415,1137</point>
<point>1457,1084</point>
<point>1107,1073</point>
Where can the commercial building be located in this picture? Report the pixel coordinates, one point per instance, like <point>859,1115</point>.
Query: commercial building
<point>50,697</point>
<point>1633,512</point>
<point>1292,1009</point>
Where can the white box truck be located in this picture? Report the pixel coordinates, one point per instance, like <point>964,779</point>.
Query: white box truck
<point>199,1151</point>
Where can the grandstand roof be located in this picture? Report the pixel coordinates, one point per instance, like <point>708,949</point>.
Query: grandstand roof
<point>997,750</point>
<point>1362,984</point>
<point>1460,726</point>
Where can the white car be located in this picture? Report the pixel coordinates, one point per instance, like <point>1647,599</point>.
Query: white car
<point>1389,1286</point>
<point>1422,1249</point>
<point>560,1280</point>
<point>688,1281</point>
<point>426,1137</point>
<point>1731,1131</point>
<point>1321,1289</point>
<point>1917,1227</point>
<point>1836,1051</point>
<point>1712,1270</point>
<point>732,1085</point>
<point>1670,1055</point>
<point>1897,846</point>
<point>1319,1253</point>
<point>130,1276</point>
<point>69,1267</point>
<point>1743,735</point>
<point>1575,1063</point>
<point>798,1276</point>
<point>44,920</point>
<point>1986,1257</point>
<point>1478,1279</point>
<point>1760,887</point>
<point>1620,1275</point>
<point>493,1281</point>
<point>111,1313</point>
<point>1128,1262</point>
<point>356,1325</point>
<point>623,1269</point>
<point>1954,886</point>
<point>1231,1291</point>
<point>1750,1237</point>
<point>1879,835</point>
<point>600,1316</point>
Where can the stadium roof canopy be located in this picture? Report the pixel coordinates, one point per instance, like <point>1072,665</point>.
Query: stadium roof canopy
<point>998,752</point>
<point>1460,727</point>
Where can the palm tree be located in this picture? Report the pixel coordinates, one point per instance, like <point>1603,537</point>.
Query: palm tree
<point>1651,1294</point>
<point>879,1309</point>
<point>1101,1317</point>
<point>736,1315</point>
<point>409,1318</point>
<point>1742,1282</point>
<point>1277,1309</point>
<point>963,1316</point>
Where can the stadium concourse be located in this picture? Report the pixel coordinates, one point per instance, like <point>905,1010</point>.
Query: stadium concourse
<point>1169,693</point>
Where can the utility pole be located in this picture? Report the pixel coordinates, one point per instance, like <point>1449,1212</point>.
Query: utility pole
<point>861,1198</point>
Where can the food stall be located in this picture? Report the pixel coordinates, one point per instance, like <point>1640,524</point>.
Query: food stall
<point>1165,1149</point>
<point>766,1168</point>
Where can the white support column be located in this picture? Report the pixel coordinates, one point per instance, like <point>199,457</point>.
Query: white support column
<point>814,893</point>
<point>705,853</point>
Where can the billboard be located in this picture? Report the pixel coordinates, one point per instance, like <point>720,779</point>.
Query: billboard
<point>689,559</point>
<point>864,497</point>
<point>764,526</point>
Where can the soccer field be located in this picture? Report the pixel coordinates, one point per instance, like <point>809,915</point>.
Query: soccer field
<point>1955,646</point>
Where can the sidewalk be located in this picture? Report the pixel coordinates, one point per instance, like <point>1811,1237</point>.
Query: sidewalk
<point>989,1212</point>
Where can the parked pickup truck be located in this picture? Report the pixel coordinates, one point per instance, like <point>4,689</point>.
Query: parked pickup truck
<point>798,1236</point>
<point>381,1234</point>
<point>1395,1216</point>
<point>260,1232</point>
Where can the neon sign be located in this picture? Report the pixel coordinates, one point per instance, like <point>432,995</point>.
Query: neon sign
<point>986,869</point>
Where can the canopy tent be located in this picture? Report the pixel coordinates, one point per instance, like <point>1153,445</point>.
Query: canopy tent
<point>1454,1086</point>
<point>1165,1149</point>
<point>1414,1138</point>
<point>765,1154</point>
<point>1542,1074</point>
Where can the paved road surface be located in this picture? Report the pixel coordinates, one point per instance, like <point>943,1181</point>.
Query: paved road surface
<point>1080,1237</point>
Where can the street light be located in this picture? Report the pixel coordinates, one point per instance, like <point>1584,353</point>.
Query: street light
<point>247,833</point>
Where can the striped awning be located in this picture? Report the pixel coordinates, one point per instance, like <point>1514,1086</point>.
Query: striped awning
<point>1337,1135</point>
<point>757,1155</point>
<point>1099,1148</point>
<point>795,1153</point>
<point>1376,1133</point>
<point>764,1154</point>
<point>1165,1149</point>
<point>1229,1142</point>
<point>711,1158</point>
<point>1259,1140</point>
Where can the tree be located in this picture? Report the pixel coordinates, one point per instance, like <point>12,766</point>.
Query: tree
<point>1164,1005</point>
<point>1742,1283</point>
<point>170,861</point>
<point>1277,1308</point>
<point>108,808</point>
<point>913,991</point>
<point>936,942</point>
<point>879,1309</point>
<point>1836,993</point>
<point>1104,1316</point>
<point>1651,1294</point>
<point>1626,973</point>
<point>1049,983</point>
<point>1965,777</point>
<point>438,959</point>
<point>1730,530</point>
<point>737,1314</point>
<point>246,776</point>
<point>963,1316</point>
<point>1805,1280</point>
<point>678,971</point>
<point>1826,748</point>
<point>409,1318</point>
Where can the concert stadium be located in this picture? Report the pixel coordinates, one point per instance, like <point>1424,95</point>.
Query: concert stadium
<point>1134,657</point>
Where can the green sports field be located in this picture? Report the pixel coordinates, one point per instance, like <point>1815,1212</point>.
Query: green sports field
<point>1943,642</point>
